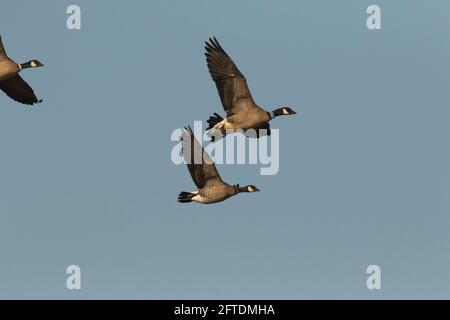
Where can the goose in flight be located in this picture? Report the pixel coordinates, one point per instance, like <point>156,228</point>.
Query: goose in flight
<point>242,111</point>
<point>11,83</point>
<point>210,186</point>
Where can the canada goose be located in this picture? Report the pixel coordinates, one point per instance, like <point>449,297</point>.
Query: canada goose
<point>211,187</point>
<point>13,84</point>
<point>242,111</point>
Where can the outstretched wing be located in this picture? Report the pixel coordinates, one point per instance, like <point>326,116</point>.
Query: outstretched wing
<point>230,82</point>
<point>17,89</point>
<point>199,163</point>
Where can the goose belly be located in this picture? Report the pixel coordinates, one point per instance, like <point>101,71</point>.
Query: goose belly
<point>213,195</point>
<point>205,200</point>
<point>248,120</point>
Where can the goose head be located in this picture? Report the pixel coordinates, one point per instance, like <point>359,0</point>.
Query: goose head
<point>286,111</point>
<point>31,64</point>
<point>248,188</point>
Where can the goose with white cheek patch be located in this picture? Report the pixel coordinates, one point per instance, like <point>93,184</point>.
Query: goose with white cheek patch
<point>210,186</point>
<point>11,83</point>
<point>242,111</point>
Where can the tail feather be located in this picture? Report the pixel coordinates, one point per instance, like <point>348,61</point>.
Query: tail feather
<point>185,197</point>
<point>213,120</point>
<point>213,132</point>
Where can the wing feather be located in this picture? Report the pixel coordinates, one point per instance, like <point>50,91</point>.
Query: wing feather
<point>201,167</point>
<point>17,89</point>
<point>230,82</point>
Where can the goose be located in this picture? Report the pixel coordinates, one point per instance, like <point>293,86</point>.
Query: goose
<point>210,186</point>
<point>242,111</point>
<point>11,83</point>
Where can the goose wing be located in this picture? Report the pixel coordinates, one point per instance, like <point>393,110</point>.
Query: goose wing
<point>199,163</point>
<point>230,82</point>
<point>17,89</point>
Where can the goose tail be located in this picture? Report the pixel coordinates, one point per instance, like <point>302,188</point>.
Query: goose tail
<point>185,197</point>
<point>213,120</point>
<point>216,129</point>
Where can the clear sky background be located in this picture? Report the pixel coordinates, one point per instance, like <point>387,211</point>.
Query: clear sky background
<point>86,176</point>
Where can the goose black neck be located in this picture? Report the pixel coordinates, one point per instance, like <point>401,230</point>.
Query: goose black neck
<point>242,189</point>
<point>277,112</point>
<point>26,65</point>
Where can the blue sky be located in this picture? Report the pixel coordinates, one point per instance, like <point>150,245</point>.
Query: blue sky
<point>364,178</point>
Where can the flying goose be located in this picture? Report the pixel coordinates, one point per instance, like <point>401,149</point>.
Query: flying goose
<point>211,187</point>
<point>242,111</point>
<point>13,84</point>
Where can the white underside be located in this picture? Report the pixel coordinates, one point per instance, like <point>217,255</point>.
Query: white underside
<point>199,199</point>
<point>221,126</point>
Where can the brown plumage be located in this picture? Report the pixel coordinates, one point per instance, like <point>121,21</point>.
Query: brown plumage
<point>11,83</point>
<point>237,101</point>
<point>210,186</point>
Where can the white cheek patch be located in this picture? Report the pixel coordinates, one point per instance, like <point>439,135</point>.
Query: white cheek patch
<point>33,64</point>
<point>285,111</point>
<point>250,189</point>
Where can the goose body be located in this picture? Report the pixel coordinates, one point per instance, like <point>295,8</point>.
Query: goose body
<point>214,193</point>
<point>242,111</point>
<point>12,83</point>
<point>8,69</point>
<point>210,186</point>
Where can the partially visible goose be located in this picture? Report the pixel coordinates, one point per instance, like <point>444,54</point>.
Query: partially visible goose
<point>13,84</point>
<point>242,111</point>
<point>210,186</point>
